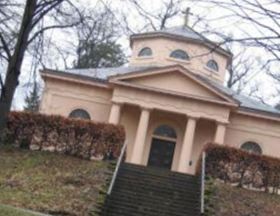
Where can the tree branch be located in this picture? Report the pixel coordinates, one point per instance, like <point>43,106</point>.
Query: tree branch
<point>2,87</point>
<point>5,47</point>
<point>42,30</point>
<point>1,82</point>
<point>42,11</point>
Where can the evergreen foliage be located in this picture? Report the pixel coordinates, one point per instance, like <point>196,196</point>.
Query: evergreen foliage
<point>32,100</point>
<point>105,54</point>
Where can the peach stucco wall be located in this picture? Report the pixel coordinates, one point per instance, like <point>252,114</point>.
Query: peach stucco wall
<point>266,133</point>
<point>170,103</point>
<point>129,119</point>
<point>176,82</point>
<point>62,97</point>
<point>205,131</point>
<point>162,47</point>
<point>177,122</point>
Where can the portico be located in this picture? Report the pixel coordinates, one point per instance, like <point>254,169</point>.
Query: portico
<point>188,119</point>
<point>187,128</point>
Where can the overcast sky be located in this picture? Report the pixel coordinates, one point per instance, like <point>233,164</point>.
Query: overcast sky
<point>235,27</point>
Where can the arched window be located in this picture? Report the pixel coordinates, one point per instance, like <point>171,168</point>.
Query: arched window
<point>179,54</point>
<point>147,51</point>
<point>251,147</point>
<point>79,113</point>
<point>165,131</point>
<point>212,64</point>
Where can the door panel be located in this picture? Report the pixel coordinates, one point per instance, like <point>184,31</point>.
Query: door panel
<point>161,153</point>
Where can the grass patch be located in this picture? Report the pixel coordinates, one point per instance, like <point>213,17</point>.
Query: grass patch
<point>8,211</point>
<point>49,182</point>
<point>226,200</point>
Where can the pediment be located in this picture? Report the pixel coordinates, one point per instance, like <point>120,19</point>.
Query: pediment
<point>173,80</point>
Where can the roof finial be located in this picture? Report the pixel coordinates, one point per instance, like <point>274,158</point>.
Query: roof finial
<point>187,14</point>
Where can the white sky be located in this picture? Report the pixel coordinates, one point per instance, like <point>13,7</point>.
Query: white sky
<point>232,26</point>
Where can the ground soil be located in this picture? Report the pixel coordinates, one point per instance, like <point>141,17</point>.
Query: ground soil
<point>226,200</point>
<point>49,182</point>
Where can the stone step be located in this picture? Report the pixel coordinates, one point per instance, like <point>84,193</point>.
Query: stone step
<point>158,191</point>
<point>145,180</point>
<point>149,180</point>
<point>152,201</point>
<point>152,171</point>
<point>134,209</point>
<point>116,211</point>
<point>148,191</point>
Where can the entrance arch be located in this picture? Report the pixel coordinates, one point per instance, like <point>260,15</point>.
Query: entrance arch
<point>162,147</point>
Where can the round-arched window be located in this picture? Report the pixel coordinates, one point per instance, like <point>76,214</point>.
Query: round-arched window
<point>165,131</point>
<point>251,147</point>
<point>212,64</point>
<point>147,51</point>
<point>179,54</point>
<point>79,113</point>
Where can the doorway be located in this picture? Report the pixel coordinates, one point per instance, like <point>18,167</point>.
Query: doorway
<point>162,147</point>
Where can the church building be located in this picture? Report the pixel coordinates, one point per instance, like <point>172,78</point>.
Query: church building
<point>170,98</point>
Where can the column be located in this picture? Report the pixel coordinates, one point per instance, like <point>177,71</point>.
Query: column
<point>220,133</point>
<point>115,113</point>
<point>187,146</point>
<point>139,144</point>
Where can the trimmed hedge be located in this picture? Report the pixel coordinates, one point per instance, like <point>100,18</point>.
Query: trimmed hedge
<point>81,138</point>
<point>238,167</point>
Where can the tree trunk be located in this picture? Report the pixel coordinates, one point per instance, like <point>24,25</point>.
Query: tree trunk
<point>15,62</point>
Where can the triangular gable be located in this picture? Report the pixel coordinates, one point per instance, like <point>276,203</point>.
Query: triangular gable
<point>172,79</point>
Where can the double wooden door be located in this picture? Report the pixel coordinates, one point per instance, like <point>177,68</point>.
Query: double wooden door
<point>161,153</point>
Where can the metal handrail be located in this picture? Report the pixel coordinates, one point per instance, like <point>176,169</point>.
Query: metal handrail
<point>202,207</point>
<point>117,169</point>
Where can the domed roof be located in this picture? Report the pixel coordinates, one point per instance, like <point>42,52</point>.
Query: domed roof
<point>184,33</point>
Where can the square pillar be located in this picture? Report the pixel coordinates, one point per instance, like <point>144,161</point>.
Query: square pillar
<point>139,144</point>
<point>220,133</point>
<point>187,146</point>
<point>115,113</point>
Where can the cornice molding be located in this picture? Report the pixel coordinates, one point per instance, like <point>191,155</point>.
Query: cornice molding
<point>120,79</point>
<point>172,93</point>
<point>256,114</point>
<point>46,74</point>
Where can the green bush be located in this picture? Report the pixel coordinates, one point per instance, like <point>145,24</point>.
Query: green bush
<point>82,138</point>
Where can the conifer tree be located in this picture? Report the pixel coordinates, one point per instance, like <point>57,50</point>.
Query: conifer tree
<point>32,100</point>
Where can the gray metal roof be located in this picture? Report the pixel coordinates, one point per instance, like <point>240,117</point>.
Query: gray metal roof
<point>181,31</point>
<point>104,73</point>
<point>184,31</point>
<point>245,101</point>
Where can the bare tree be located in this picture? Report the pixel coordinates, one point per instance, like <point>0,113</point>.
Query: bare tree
<point>157,20</point>
<point>260,26</point>
<point>242,71</point>
<point>97,40</point>
<point>34,12</point>
<point>8,21</point>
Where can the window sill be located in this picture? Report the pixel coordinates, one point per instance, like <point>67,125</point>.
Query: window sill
<point>211,70</point>
<point>144,57</point>
<point>180,61</point>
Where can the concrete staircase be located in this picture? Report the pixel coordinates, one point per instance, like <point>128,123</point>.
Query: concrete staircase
<point>147,191</point>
